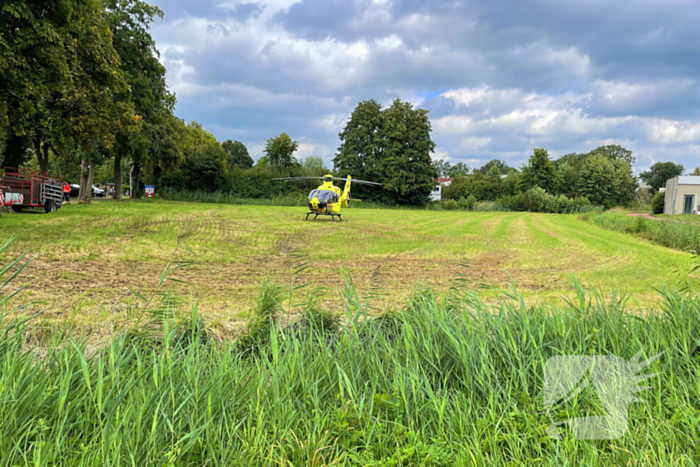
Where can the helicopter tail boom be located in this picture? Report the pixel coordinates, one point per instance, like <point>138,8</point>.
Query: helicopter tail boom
<point>346,193</point>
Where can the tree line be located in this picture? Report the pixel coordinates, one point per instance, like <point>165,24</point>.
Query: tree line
<point>83,86</point>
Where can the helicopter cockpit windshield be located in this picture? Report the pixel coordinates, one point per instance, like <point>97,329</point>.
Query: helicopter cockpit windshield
<point>324,196</point>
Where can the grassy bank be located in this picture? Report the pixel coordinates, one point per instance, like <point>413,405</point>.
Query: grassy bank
<point>687,218</point>
<point>445,381</point>
<point>678,232</point>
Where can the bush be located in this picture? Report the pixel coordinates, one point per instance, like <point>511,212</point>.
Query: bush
<point>657,203</point>
<point>534,199</point>
<point>468,203</point>
<point>538,200</point>
<point>638,226</point>
<point>198,173</point>
<point>450,205</point>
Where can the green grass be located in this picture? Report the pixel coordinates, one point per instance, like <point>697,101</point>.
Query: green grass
<point>680,234</point>
<point>690,218</point>
<point>449,380</point>
<point>92,258</point>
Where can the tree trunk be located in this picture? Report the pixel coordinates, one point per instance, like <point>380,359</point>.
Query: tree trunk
<point>136,181</point>
<point>15,150</point>
<point>83,181</point>
<point>118,177</point>
<point>37,150</point>
<point>44,161</point>
<point>91,178</point>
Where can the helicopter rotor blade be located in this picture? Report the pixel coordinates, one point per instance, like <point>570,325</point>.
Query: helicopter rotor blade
<point>291,179</point>
<point>352,180</point>
<point>362,182</point>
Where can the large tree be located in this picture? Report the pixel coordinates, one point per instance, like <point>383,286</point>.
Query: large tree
<point>407,173</point>
<point>540,172</point>
<point>502,167</point>
<point>279,151</point>
<point>60,76</point>
<point>659,173</point>
<point>360,148</point>
<point>314,165</point>
<point>237,154</point>
<point>391,146</point>
<point>205,165</point>
<point>606,182</point>
<point>152,143</point>
<point>615,152</point>
<point>442,166</point>
<point>33,69</point>
<point>459,169</point>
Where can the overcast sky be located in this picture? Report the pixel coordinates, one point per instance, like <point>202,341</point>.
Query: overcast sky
<point>498,77</point>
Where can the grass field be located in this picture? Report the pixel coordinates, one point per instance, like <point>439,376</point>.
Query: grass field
<point>89,259</point>
<point>448,377</point>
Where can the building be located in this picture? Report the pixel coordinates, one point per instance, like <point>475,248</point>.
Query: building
<point>682,195</point>
<point>436,195</point>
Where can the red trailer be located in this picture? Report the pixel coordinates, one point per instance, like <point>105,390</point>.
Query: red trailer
<point>25,188</point>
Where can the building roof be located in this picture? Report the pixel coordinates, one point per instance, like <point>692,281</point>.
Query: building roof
<point>442,179</point>
<point>689,180</point>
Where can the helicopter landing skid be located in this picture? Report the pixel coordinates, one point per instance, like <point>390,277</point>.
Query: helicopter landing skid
<point>332,216</point>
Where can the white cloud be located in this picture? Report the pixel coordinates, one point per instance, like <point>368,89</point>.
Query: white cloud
<point>332,123</point>
<point>570,58</point>
<point>440,155</point>
<point>474,142</point>
<point>454,124</point>
<point>670,131</point>
<point>525,113</point>
<point>309,149</point>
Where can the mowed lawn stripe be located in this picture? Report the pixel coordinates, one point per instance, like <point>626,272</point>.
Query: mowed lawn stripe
<point>93,256</point>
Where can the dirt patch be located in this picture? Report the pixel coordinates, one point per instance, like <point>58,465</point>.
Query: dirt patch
<point>93,294</point>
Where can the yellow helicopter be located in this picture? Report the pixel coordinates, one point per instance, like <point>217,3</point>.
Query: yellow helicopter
<point>327,199</point>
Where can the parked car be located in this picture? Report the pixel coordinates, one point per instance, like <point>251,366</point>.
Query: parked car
<point>75,190</point>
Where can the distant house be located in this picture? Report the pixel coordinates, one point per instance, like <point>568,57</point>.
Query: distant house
<point>682,195</point>
<point>436,195</point>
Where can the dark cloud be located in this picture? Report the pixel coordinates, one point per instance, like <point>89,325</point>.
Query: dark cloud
<point>321,19</point>
<point>243,11</point>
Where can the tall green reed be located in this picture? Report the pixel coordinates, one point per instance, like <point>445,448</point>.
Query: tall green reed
<point>671,234</point>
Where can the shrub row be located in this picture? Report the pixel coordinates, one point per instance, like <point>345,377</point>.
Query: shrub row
<point>533,200</point>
